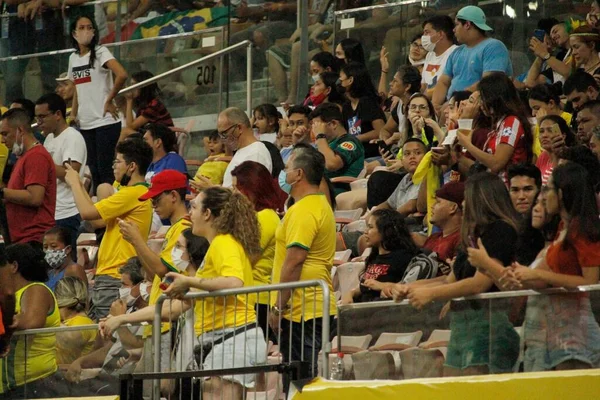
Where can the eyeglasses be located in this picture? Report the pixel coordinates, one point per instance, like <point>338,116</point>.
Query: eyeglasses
<point>115,162</point>
<point>40,118</point>
<point>156,200</point>
<point>417,45</point>
<point>223,134</point>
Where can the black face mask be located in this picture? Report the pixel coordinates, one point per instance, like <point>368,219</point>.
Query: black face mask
<point>125,179</point>
<point>341,89</point>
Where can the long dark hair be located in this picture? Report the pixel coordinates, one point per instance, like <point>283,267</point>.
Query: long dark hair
<point>394,234</point>
<point>428,130</point>
<point>362,85</point>
<point>353,51</point>
<point>30,262</point>
<point>570,138</point>
<point>500,99</point>
<point>196,246</point>
<point>329,79</point>
<point>147,93</point>
<point>269,111</point>
<point>94,41</point>
<point>578,200</point>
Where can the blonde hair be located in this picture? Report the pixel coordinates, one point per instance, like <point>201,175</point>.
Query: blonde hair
<point>234,215</point>
<point>71,292</point>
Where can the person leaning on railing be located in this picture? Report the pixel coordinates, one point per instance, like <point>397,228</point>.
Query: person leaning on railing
<point>30,365</point>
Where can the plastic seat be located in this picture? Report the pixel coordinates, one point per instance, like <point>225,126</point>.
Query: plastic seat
<point>345,217</point>
<point>347,276</point>
<point>342,257</point>
<point>397,341</point>
<point>421,363</point>
<point>355,226</point>
<point>350,346</point>
<point>438,338</point>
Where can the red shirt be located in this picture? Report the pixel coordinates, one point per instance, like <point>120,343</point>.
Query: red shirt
<point>509,131</point>
<point>2,330</point>
<point>26,223</point>
<point>544,164</point>
<point>445,247</point>
<point>157,113</point>
<point>579,253</point>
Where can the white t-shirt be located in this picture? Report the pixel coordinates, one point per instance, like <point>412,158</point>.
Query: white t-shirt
<point>257,151</point>
<point>434,66</point>
<point>93,86</point>
<point>68,144</point>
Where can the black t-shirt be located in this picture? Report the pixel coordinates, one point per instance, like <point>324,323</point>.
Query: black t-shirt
<point>385,268</point>
<point>500,241</point>
<point>360,121</point>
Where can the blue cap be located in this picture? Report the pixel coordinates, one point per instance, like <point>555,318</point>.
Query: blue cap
<point>475,15</point>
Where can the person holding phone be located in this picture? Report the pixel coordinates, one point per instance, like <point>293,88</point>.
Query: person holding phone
<point>554,135</point>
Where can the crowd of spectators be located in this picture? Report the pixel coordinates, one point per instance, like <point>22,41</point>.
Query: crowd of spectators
<point>493,179</point>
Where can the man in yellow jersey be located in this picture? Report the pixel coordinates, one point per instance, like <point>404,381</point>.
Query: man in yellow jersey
<point>304,250</point>
<point>133,156</point>
<point>167,193</point>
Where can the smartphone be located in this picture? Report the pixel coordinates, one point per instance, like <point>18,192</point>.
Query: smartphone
<point>539,34</point>
<point>472,242</point>
<point>383,146</point>
<point>439,149</point>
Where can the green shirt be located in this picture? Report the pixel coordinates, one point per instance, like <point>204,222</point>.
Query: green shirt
<point>351,150</point>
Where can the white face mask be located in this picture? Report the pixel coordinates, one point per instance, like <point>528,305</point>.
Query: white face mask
<point>17,148</point>
<point>145,288</point>
<point>316,77</point>
<point>125,295</point>
<point>176,255</point>
<point>427,44</point>
<point>84,37</point>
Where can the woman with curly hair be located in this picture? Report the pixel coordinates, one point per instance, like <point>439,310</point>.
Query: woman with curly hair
<point>392,250</point>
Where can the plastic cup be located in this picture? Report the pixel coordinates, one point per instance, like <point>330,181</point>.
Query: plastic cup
<point>465,124</point>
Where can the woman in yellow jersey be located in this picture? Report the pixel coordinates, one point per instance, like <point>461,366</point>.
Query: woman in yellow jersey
<point>545,100</point>
<point>72,298</point>
<point>254,181</point>
<point>28,371</point>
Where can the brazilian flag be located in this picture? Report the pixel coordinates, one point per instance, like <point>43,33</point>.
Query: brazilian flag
<point>181,22</point>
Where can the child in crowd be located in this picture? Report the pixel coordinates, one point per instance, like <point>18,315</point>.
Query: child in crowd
<point>216,163</point>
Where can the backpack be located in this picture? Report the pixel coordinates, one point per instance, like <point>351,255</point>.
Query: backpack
<point>421,266</point>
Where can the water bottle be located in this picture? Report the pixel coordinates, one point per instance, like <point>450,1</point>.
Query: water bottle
<point>337,368</point>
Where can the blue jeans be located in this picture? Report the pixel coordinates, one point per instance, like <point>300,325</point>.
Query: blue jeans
<point>100,144</point>
<point>72,224</point>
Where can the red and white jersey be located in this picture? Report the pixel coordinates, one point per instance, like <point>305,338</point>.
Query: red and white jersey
<point>508,131</point>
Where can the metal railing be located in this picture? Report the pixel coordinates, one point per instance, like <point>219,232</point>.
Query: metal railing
<point>248,290</point>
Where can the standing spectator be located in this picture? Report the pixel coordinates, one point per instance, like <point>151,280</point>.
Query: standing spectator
<point>524,183</point>
<point>163,141</point>
<point>146,105</point>
<point>555,134</point>
<point>234,128</point>
<point>438,40</point>
<point>477,57</point>
<point>65,145</point>
<point>58,254</point>
<point>305,247</point>
<point>130,165</point>
<point>91,68</point>
<point>511,142</point>
<point>65,88</point>
<point>30,195</point>
<point>363,116</point>
<point>344,153</point>
<point>580,88</point>
<point>588,117</point>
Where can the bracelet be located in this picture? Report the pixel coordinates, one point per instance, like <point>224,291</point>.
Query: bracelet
<point>320,136</point>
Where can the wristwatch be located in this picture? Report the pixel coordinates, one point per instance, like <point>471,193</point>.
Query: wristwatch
<point>546,57</point>
<point>278,311</point>
<point>321,136</point>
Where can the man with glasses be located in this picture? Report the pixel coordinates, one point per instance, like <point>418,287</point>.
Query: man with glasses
<point>30,195</point>
<point>235,130</point>
<point>133,156</point>
<point>65,145</point>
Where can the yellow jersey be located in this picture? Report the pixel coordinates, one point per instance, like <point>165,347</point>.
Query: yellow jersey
<point>225,258</point>
<point>213,170</point>
<point>169,243</point>
<point>114,251</point>
<point>310,225</point>
<point>38,360</point>
<point>537,146</point>
<point>69,348</point>
<point>268,221</point>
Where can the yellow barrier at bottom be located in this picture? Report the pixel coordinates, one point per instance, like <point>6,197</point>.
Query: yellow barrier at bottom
<point>559,385</point>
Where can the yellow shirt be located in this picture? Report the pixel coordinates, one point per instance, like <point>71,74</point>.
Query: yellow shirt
<point>114,251</point>
<point>310,225</point>
<point>70,349</point>
<point>225,258</point>
<point>537,146</point>
<point>213,170</point>
<point>40,360</point>
<point>3,158</point>
<point>171,238</point>
<point>262,270</point>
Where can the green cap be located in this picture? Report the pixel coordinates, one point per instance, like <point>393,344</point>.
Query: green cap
<point>475,15</point>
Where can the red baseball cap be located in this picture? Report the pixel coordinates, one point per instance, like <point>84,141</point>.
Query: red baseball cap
<point>166,180</point>
<point>452,191</point>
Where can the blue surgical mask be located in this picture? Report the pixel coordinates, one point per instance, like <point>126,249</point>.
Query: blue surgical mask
<point>286,187</point>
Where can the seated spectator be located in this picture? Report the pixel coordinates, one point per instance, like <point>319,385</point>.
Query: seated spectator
<point>446,215</point>
<point>362,112</point>
<point>127,340</point>
<point>482,125</point>
<point>452,112</point>
<point>265,118</point>
<point>324,90</point>
<point>144,106</point>
<point>299,127</point>
<point>438,40</point>
<point>163,142</point>
<point>344,153</point>
<point>524,183</point>
<point>477,56</point>
<point>541,70</point>
<point>213,168</point>
<point>489,221</point>
<point>421,121</point>
<point>32,358</point>
<point>58,254</point>
<point>555,134</point>
<point>392,251</point>
<point>350,50</point>
<point>588,117</point>
<point>545,100</point>
<point>72,299</point>
<point>580,88</point>
<point>511,141</point>
<point>584,43</point>
<point>595,141</point>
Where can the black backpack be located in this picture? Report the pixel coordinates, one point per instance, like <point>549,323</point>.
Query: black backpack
<point>422,266</point>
